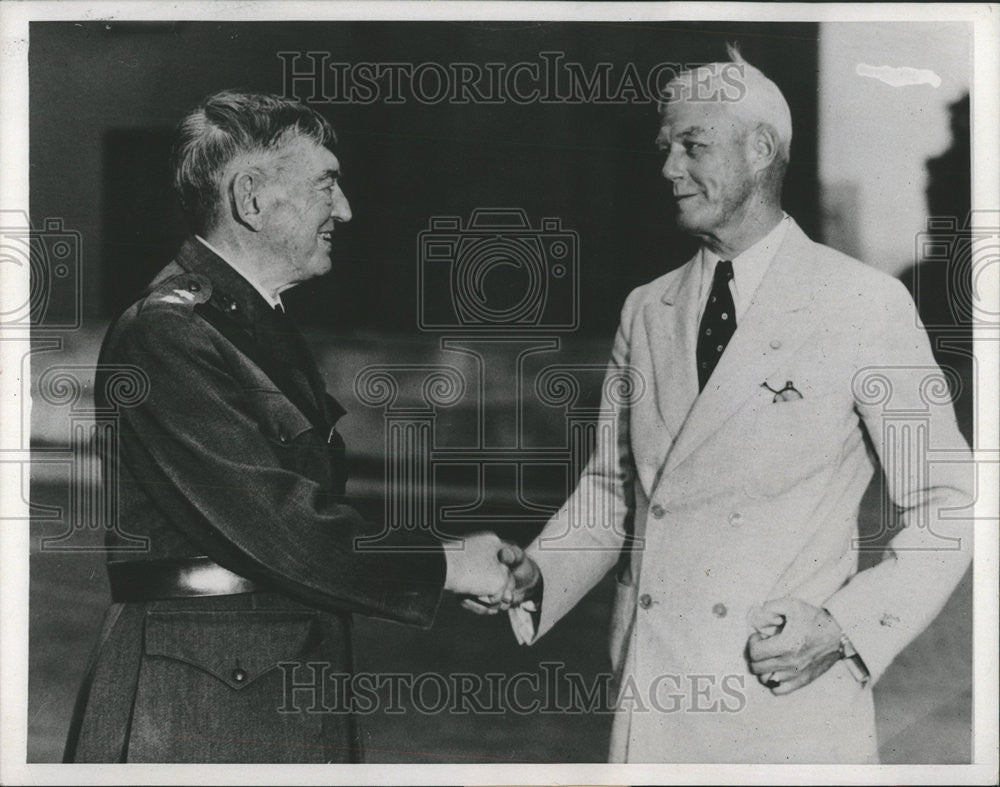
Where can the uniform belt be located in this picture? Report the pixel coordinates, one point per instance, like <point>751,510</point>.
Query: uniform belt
<point>151,580</point>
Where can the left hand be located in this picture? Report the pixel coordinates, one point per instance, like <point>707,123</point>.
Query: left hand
<point>806,646</point>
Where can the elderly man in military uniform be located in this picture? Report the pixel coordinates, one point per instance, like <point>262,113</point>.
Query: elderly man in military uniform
<point>234,470</point>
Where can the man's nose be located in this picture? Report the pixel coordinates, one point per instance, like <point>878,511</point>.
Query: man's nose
<point>341,210</point>
<point>672,169</point>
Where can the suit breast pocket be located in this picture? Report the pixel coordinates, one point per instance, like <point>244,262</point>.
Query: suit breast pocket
<point>212,687</point>
<point>791,441</point>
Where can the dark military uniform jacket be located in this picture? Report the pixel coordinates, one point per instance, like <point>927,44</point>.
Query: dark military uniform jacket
<point>233,455</point>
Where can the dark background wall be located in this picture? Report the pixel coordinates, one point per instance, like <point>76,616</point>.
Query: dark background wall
<point>105,97</point>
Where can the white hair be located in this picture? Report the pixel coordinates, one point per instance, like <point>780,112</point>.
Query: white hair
<point>742,88</point>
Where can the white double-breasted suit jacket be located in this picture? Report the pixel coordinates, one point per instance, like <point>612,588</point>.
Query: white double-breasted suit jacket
<point>736,499</point>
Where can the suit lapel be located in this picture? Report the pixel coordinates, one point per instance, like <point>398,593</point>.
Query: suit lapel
<point>771,331</point>
<point>672,334</point>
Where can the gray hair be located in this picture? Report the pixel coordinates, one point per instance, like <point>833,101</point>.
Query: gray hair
<point>224,126</point>
<point>756,100</point>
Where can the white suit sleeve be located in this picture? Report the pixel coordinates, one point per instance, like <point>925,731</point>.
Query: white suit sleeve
<point>581,543</point>
<point>903,399</point>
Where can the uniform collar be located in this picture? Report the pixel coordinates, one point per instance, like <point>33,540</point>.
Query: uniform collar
<point>232,294</point>
<point>273,300</point>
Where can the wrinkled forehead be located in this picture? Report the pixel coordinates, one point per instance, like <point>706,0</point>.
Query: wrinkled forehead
<point>302,156</point>
<point>681,120</point>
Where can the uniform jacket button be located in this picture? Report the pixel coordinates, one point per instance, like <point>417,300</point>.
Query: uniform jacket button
<point>719,610</point>
<point>193,286</point>
<point>658,511</point>
<point>282,437</point>
<point>645,601</point>
<point>775,344</point>
<point>239,675</point>
<point>736,519</point>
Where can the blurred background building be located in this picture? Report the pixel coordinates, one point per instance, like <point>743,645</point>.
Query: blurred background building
<point>871,162</point>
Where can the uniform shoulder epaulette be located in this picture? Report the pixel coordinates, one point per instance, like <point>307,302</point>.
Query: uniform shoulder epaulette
<point>184,290</point>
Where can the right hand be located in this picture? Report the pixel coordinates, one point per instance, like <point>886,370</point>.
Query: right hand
<point>475,569</point>
<point>525,575</point>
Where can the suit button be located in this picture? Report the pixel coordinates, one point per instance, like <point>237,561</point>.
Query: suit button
<point>645,601</point>
<point>193,286</point>
<point>239,675</point>
<point>775,344</point>
<point>719,610</point>
<point>736,519</point>
<point>658,511</point>
<point>282,437</point>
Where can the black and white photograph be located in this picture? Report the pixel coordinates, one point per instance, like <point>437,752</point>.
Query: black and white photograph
<point>499,393</point>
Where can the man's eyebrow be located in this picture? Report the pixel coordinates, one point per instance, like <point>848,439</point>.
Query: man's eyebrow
<point>688,133</point>
<point>330,174</point>
<point>693,131</point>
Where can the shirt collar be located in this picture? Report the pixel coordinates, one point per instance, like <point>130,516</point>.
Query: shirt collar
<point>749,266</point>
<point>273,299</point>
<point>761,253</point>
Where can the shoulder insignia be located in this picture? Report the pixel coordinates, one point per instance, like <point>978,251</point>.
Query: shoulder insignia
<point>185,289</point>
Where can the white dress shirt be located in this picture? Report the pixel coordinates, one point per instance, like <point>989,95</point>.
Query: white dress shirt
<point>273,299</point>
<point>749,268</point>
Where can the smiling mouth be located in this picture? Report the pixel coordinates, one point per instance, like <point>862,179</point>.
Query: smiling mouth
<point>327,236</point>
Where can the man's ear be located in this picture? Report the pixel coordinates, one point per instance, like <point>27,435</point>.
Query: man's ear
<point>762,147</point>
<point>245,198</point>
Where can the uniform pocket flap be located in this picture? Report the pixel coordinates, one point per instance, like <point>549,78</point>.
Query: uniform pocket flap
<point>237,647</point>
<point>280,419</point>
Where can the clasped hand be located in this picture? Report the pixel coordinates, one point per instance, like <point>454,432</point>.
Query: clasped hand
<point>497,574</point>
<point>795,642</point>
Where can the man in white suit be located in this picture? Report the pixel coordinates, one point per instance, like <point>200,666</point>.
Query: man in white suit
<point>776,374</point>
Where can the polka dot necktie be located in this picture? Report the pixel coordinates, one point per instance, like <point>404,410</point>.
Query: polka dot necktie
<point>718,324</point>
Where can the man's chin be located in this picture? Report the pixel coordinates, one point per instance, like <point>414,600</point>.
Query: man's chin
<point>323,263</point>
<point>686,221</point>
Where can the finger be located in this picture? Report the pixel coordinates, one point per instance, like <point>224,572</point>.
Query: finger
<point>477,608</point>
<point>764,623</point>
<point>769,665</point>
<point>507,594</point>
<point>782,607</point>
<point>505,589</point>
<point>784,676</point>
<point>761,648</point>
<point>510,554</point>
<point>792,684</point>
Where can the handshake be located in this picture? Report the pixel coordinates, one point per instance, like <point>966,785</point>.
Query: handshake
<point>492,574</point>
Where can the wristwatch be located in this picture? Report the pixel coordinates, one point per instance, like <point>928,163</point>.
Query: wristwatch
<point>853,661</point>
